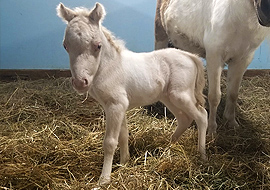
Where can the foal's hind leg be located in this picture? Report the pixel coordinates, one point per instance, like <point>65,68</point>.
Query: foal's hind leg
<point>183,120</point>
<point>188,106</point>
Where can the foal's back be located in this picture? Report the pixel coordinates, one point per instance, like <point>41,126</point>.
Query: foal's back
<point>150,76</point>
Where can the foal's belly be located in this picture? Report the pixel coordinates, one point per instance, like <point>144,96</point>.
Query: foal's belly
<point>145,95</point>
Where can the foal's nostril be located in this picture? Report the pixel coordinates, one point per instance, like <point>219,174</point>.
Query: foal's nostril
<point>85,82</point>
<point>79,83</point>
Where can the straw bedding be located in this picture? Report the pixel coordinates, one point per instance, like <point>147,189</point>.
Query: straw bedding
<point>50,138</point>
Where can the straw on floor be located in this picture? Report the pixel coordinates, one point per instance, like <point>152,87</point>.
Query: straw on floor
<point>51,138</point>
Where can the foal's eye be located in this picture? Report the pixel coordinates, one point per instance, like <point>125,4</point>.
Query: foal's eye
<point>97,46</point>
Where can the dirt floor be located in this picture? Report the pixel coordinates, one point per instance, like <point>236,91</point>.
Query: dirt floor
<point>51,138</point>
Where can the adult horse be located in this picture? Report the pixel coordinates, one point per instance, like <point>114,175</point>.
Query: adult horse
<point>222,31</point>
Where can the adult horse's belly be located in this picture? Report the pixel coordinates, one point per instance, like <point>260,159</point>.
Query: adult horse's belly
<point>184,27</point>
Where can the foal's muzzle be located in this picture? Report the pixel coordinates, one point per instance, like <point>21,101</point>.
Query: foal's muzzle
<point>80,85</point>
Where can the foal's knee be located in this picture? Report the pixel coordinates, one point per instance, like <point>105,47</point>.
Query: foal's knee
<point>109,145</point>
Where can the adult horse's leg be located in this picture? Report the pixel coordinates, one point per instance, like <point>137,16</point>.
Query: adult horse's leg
<point>161,42</point>
<point>214,69</point>
<point>115,114</point>
<point>236,70</point>
<point>161,38</point>
<point>123,142</point>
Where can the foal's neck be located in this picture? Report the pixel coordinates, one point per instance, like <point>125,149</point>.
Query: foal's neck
<point>110,51</point>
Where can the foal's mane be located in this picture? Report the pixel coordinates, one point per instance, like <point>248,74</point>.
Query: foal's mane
<point>118,44</point>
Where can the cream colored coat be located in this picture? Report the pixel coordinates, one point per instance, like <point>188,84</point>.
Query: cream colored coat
<point>120,79</point>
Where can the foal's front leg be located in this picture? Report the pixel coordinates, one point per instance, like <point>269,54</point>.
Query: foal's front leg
<point>123,142</point>
<point>115,114</point>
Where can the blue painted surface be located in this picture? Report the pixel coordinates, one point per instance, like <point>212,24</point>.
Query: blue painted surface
<point>31,34</point>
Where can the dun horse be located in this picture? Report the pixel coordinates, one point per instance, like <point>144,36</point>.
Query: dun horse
<point>120,80</point>
<point>222,31</point>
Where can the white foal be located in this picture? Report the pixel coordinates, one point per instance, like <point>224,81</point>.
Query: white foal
<point>120,80</point>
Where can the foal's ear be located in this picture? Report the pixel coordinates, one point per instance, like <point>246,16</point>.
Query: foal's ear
<point>65,13</point>
<point>98,13</point>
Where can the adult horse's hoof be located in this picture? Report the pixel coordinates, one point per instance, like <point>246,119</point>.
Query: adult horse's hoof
<point>233,123</point>
<point>104,180</point>
<point>204,157</point>
<point>174,139</point>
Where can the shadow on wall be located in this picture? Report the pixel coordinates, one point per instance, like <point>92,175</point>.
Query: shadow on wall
<point>32,38</point>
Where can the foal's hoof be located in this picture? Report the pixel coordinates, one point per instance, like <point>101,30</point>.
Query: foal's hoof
<point>104,180</point>
<point>124,159</point>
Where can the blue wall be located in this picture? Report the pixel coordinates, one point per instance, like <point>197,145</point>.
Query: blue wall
<point>31,34</point>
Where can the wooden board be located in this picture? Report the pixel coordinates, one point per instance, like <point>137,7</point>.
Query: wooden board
<point>11,75</point>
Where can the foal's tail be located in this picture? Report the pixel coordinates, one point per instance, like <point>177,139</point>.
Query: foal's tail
<point>200,80</point>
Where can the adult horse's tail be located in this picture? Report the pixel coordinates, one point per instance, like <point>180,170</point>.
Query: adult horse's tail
<point>200,80</point>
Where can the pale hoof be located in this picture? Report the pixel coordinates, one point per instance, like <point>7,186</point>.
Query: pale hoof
<point>104,180</point>
<point>212,129</point>
<point>125,159</point>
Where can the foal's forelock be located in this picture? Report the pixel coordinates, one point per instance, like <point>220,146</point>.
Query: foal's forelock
<point>113,41</point>
<point>117,44</point>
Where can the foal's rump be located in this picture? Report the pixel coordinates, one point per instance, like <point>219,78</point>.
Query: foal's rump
<point>186,72</point>
<point>200,79</point>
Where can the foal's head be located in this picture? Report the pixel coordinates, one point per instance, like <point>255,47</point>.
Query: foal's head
<point>84,42</point>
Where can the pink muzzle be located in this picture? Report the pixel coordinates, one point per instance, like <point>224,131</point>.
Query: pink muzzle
<point>81,85</point>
